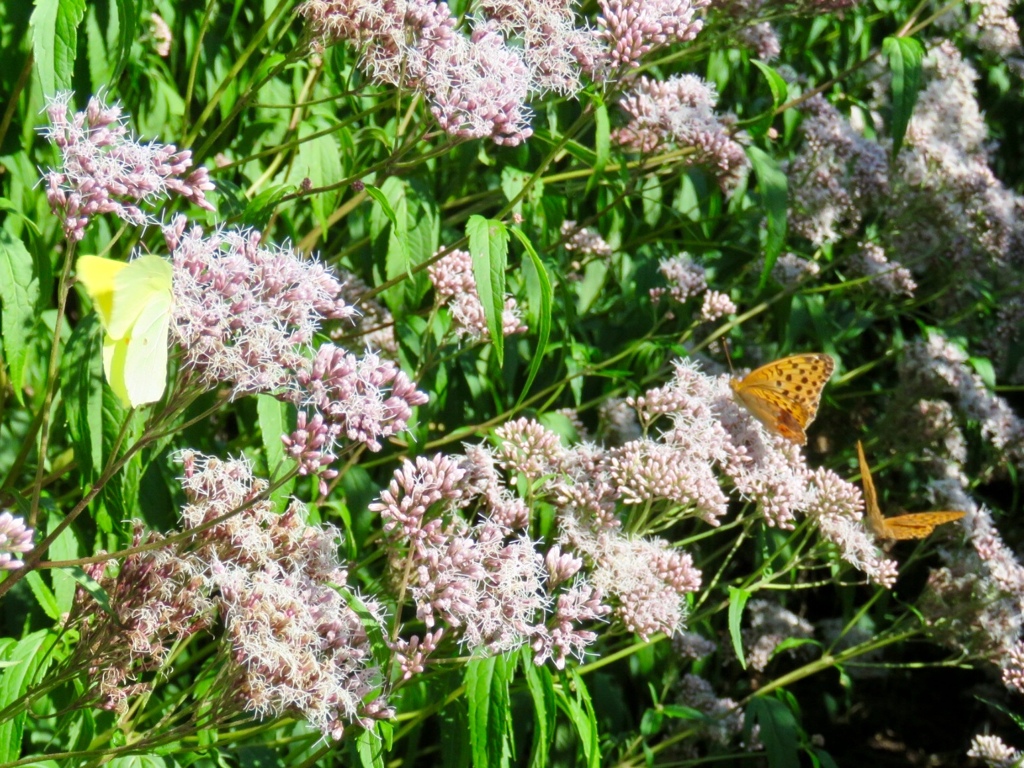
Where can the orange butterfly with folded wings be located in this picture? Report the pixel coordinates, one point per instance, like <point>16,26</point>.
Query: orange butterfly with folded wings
<point>915,525</point>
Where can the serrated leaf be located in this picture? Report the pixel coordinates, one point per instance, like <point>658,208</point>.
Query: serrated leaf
<point>43,594</point>
<point>55,41</point>
<point>737,601</point>
<point>773,186</point>
<point>905,56</point>
<point>488,246</point>
<point>541,301</point>
<point>31,658</point>
<point>581,714</point>
<point>19,299</point>
<point>487,698</point>
<point>370,749</point>
<point>542,692</point>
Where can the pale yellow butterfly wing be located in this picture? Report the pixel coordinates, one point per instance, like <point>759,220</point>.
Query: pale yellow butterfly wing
<point>97,275</point>
<point>134,301</point>
<point>784,394</point>
<point>915,525</point>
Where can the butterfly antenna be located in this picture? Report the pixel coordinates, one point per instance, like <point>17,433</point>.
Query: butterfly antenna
<point>728,357</point>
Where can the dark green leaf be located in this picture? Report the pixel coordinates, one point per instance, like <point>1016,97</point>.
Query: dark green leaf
<point>905,55</point>
<point>602,144</point>
<point>772,184</point>
<point>759,125</point>
<point>81,386</point>
<point>779,731</point>
<point>488,245</point>
<point>542,693</point>
<point>541,299</point>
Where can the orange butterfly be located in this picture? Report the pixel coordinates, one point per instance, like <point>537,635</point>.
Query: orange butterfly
<point>783,395</point>
<point>916,525</point>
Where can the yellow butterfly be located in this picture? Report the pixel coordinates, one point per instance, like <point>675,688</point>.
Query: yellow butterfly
<point>134,302</point>
<point>783,395</point>
<point>916,525</point>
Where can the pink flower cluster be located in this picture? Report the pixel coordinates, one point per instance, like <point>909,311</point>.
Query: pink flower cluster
<point>713,435</point>
<point>679,112</point>
<point>686,280</point>
<point>770,626</point>
<point>15,539</point>
<point>298,647</point>
<point>633,28</point>
<point>104,169</point>
<point>791,269</point>
<point>934,367</point>
<point>485,583</point>
<point>477,86</point>
<point>585,240</point>
<point>975,602</point>
<point>837,177</point>
<point>455,286</point>
<point>889,277</point>
<point>955,213</point>
<point>247,314</point>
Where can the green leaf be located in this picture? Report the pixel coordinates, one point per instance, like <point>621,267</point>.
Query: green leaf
<point>541,299</point>
<point>43,594</point>
<point>19,299</point>
<point>319,161</point>
<point>542,692</point>
<point>602,144</point>
<point>65,547</point>
<point>31,657</point>
<point>487,697</point>
<point>580,710</point>
<point>127,31</point>
<point>779,731</point>
<point>985,370</point>
<point>55,41</point>
<point>771,183</point>
<point>90,585</point>
<point>81,387</point>
<point>274,417</point>
<point>370,749</point>
<point>905,55</point>
<point>382,200</point>
<point>737,601</point>
<point>758,126</point>
<point>488,245</point>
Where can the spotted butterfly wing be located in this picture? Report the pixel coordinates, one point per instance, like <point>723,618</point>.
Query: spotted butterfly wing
<point>784,394</point>
<point>915,525</point>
